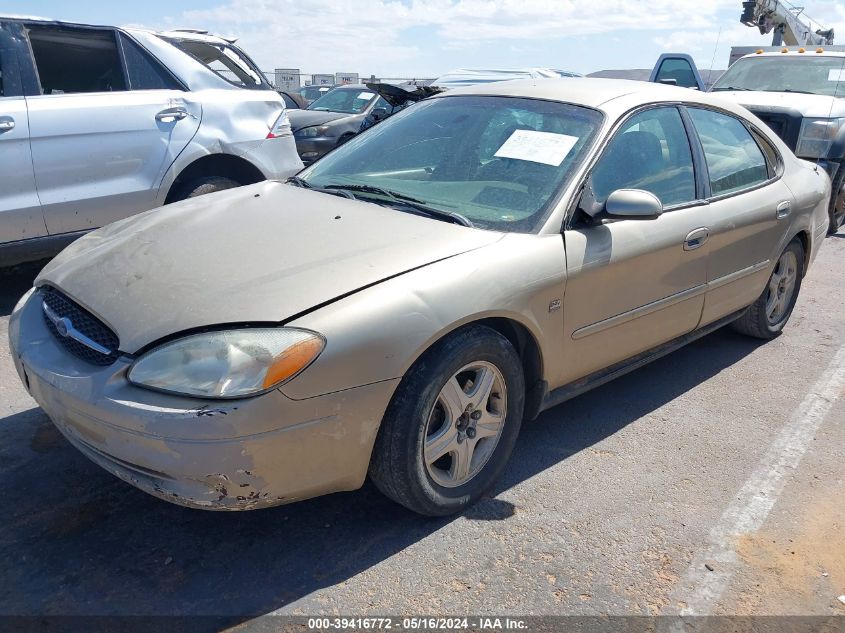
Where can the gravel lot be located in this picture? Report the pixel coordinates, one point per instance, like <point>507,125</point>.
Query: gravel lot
<point>711,481</point>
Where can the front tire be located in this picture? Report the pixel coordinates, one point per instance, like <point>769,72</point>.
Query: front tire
<point>837,204</point>
<point>452,423</point>
<point>766,317</point>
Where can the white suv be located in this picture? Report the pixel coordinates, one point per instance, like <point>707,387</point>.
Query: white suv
<point>98,123</point>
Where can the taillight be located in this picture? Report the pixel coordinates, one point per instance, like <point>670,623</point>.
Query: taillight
<point>281,127</point>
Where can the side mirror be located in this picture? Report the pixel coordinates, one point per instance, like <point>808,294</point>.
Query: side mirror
<point>633,204</point>
<point>379,113</point>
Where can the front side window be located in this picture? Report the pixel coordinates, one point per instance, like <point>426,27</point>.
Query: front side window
<point>226,61</point>
<point>734,160</point>
<point>498,161</point>
<point>346,100</point>
<point>71,60</point>
<point>650,152</point>
<point>786,73</point>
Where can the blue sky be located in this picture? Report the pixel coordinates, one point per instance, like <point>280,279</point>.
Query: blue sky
<point>423,38</point>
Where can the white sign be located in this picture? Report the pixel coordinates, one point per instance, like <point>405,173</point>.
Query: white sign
<point>538,147</point>
<point>837,74</point>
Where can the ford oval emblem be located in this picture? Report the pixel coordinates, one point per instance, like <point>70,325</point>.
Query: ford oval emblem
<point>63,325</point>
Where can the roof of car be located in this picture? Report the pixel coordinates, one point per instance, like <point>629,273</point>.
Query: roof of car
<point>187,34</point>
<point>590,92</point>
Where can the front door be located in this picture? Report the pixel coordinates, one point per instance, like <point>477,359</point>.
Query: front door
<point>633,284</point>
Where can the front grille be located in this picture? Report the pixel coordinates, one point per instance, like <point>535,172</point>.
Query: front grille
<point>784,122</point>
<point>83,322</point>
<point>777,123</point>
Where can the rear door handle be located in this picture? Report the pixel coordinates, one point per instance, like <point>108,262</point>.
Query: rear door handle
<point>696,238</point>
<point>784,209</point>
<point>6,123</point>
<point>171,114</point>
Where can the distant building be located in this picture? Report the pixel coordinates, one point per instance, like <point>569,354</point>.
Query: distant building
<point>346,78</point>
<point>286,79</point>
<point>322,80</point>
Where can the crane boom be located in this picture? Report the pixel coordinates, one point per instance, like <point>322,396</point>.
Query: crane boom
<point>775,16</point>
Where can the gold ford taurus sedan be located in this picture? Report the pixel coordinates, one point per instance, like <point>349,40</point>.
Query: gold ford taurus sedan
<point>400,307</point>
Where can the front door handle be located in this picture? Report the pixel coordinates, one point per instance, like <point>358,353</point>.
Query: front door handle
<point>784,209</point>
<point>6,123</point>
<point>171,114</point>
<point>695,239</point>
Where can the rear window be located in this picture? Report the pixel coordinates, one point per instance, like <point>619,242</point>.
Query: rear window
<point>227,61</point>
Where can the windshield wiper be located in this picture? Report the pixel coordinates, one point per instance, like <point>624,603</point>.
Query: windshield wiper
<point>800,92</point>
<point>301,182</point>
<point>731,88</point>
<point>407,201</point>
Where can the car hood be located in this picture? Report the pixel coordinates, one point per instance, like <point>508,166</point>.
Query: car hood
<point>812,106</point>
<point>306,118</point>
<point>261,253</point>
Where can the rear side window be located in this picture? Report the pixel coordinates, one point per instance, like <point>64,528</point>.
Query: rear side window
<point>76,60</point>
<point>734,159</point>
<point>145,73</point>
<point>226,61</point>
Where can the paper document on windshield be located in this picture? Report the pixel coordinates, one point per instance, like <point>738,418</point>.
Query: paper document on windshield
<point>538,147</point>
<point>837,74</point>
<point>366,95</point>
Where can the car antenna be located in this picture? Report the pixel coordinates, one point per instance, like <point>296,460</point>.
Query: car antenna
<point>713,61</point>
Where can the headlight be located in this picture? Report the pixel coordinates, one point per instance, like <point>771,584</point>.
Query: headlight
<point>817,136</point>
<point>227,364</point>
<point>22,301</point>
<point>310,132</point>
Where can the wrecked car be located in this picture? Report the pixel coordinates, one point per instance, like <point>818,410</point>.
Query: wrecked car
<point>335,118</point>
<point>399,307</point>
<point>99,123</point>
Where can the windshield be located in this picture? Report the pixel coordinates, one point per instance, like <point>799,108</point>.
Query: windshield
<point>227,61</point>
<point>349,101</point>
<point>497,161</point>
<point>805,73</point>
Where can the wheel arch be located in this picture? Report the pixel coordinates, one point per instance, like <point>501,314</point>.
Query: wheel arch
<point>525,343</point>
<point>804,237</point>
<point>226,165</point>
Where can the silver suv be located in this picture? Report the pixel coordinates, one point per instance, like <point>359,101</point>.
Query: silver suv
<point>98,123</point>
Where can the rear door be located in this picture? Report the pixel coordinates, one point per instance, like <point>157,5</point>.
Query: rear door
<point>20,210</point>
<point>108,122</point>
<point>749,206</point>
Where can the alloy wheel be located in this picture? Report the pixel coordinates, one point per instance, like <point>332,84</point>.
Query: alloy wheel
<point>465,424</point>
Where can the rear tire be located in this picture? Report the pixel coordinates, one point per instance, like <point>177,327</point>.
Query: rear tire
<point>452,424</point>
<point>204,185</point>
<point>766,317</point>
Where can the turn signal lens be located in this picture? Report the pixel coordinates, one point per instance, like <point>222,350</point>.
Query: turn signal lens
<point>292,361</point>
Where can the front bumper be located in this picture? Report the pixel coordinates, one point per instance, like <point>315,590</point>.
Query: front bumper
<point>216,455</point>
<point>314,147</point>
